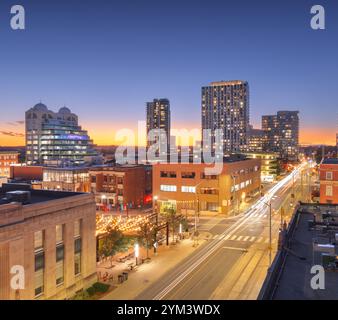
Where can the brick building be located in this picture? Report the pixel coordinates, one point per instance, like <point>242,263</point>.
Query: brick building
<point>120,186</point>
<point>7,159</point>
<point>328,176</point>
<point>186,186</point>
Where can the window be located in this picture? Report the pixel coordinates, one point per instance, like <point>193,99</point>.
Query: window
<point>208,177</point>
<point>77,261</point>
<point>168,188</point>
<point>209,191</point>
<point>168,174</point>
<point>59,230</point>
<point>39,263</point>
<point>38,240</point>
<point>188,175</point>
<point>59,272</point>
<point>77,228</point>
<point>329,175</point>
<point>38,279</point>
<point>77,246</point>
<point>188,189</point>
<point>329,191</point>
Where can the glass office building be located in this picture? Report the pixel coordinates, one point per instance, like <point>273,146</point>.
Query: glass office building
<point>56,138</point>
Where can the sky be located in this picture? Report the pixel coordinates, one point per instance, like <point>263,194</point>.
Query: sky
<point>104,59</point>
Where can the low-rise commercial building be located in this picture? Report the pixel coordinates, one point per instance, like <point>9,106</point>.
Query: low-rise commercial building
<point>118,187</point>
<point>328,176</point>
<point>26,173</point>
<point>186,186</point>
<point>74,179</point>
<point>7,159</point>
<point>48,238</point>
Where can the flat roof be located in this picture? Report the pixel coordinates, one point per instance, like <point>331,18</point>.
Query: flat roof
<point>36,196</point>
<point>9,152</point>
<point>294,282</point>
<point>66,168</point>
<point>330,161</point>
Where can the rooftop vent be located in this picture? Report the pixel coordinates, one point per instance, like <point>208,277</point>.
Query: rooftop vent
<point>23,197</point>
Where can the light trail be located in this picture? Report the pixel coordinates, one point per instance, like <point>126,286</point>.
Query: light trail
<point>214,245</point>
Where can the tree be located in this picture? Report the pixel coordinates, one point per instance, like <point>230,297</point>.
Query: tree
<point>146,236</point>
<point>113,242</point>
<point>170,215</point>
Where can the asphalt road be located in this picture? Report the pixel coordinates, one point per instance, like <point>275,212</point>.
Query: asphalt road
<point>234,262</point>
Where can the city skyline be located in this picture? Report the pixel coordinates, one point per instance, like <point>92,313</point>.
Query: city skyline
<point>184,152</point>
<point>107,72</point>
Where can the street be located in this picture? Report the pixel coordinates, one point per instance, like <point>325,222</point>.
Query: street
<point>234,262</point>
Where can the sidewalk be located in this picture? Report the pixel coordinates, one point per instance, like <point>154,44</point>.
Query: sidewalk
<point>149,272</point>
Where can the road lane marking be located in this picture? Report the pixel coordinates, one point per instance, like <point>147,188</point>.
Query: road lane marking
<point>239,238</point>
<point>236,249</point>
<point>252,239</point>
<point>208,250</point>
<point>227,237</point>
<point>246,238</point>
<point>260,239</point>
<point>233,237</point>
<point>266,240</point>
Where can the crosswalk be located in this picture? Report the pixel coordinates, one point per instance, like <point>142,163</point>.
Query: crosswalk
<point>241,238</point>
<point>207,226</point>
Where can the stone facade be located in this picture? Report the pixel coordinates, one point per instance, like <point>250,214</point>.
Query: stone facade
<point>18,225</point>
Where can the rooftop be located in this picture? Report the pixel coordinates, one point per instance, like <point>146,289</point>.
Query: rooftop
<point>312,241</point>
<point>9,152</point>
<point>228,83</point>
<point>330,161</point>
<point>35,196</point>
<point>115,167</point>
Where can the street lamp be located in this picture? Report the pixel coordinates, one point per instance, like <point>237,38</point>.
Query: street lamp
<point>235,194</point>
<point>136,251</point>
<point>103,197</point>
<point>155,208</point>
<point>197,211</point>
<point>243,196</point>
<point>156,217</point>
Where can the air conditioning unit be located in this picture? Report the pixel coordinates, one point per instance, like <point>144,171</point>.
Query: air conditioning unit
<point>23,197</point>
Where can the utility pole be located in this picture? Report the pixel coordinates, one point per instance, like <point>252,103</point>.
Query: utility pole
<point>269,204</point>
<point>235,195</point>
<point>270,233</point>
<point>156,221</point>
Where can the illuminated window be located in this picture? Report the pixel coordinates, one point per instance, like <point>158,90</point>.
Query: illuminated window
<point>329,191</point>
<point>188,189</point>
<point>168,188</point>
<point>329,175</point>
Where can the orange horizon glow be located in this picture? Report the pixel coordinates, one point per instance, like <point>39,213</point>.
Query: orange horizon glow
<point>104,135</point>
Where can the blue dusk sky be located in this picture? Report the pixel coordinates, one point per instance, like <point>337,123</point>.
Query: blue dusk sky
<point>104,59</point>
